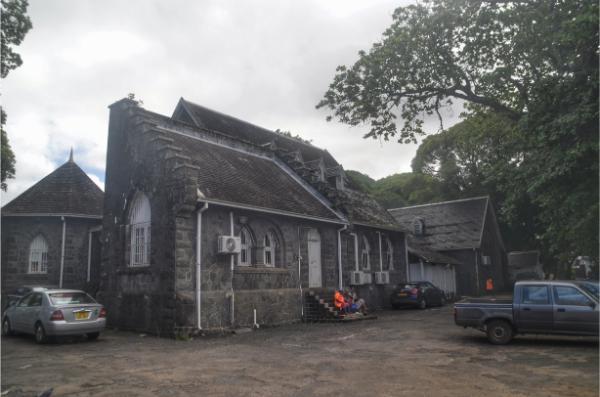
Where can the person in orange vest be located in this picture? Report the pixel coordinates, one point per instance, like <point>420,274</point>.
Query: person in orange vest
<point>339,301</point>
<point>489,285</point>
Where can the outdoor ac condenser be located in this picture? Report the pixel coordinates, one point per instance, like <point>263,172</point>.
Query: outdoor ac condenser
<point>229,245</point>
<point>382,278</point>
<point>356,278</point>
<point>367,278</point>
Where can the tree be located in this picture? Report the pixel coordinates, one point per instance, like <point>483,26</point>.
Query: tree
<point>481,156</point>
<point>15,25</point>
<point>399,190</point>
<point>532,62</point>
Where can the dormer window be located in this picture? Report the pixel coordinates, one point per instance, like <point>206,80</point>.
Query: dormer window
<point>419,227</point>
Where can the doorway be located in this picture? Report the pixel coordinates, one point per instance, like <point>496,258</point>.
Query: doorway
<point>314,259</point>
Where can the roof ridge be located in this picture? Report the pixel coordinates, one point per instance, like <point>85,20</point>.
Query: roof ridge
<point>441,202</point>
<point>291,139</point>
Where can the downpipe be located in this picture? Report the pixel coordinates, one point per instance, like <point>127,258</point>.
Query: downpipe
<point>199,266</point>
<point>232,265</point>
<point>62,251</point>
<point>340,275</point>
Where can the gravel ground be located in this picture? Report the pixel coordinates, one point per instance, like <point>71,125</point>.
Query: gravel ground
<point>408,352</point>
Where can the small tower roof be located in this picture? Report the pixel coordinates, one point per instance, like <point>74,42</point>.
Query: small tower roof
<point>68,190</point>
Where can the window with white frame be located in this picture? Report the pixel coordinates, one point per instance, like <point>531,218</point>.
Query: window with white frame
<point>139,222</point>
<point>270,248</point>
<point>389,254</point>
<point>365,260</point>
<point>38,255</point>
<point>245,258</point>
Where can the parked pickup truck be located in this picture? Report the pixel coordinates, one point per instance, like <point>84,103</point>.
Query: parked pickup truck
<point>537,307</point>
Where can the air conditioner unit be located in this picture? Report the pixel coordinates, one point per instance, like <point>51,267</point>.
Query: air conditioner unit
<point>229,245</point>
<point>382,278</point>
<point>356,278</point>
<point>367,278</point>
<point>486,260</point>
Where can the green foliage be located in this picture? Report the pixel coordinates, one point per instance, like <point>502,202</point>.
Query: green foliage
<point>527,72</point>
<point>360,181</point>
<point>14,26</point>
<point>399,190</point>
<point>8,157</point>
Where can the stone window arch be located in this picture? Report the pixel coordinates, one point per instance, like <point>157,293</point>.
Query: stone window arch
<point>389,254</point>
<point>271,249</point>
<point>246,246</point>
<point>38,255</point>
<point>365,257</point>
<point>140,219</point>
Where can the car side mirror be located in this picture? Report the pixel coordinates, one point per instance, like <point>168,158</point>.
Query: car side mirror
<point>592,304</point>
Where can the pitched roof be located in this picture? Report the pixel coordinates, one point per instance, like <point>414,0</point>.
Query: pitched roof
<point>233,175</point>
<point>66,191</point>
<point>200,116</point>
<point>363,209</point>
<point>449,225</point>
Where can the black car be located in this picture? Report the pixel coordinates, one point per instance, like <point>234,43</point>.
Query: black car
<point>419,294</point>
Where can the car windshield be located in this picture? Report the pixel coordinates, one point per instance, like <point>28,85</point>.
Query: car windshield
<point>591,288</point>
<point>70,298</point>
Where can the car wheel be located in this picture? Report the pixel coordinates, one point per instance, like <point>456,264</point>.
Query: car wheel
<point>93,335</point>
<point>6,329</point>
<point>40,334</point>
<point>499,332</point>
<point>423,304</point>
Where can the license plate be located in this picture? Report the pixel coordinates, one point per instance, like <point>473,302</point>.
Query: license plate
<point>82,315</point>
<point>402,294</point>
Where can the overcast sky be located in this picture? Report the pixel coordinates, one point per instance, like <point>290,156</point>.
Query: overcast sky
<point>267,62</point>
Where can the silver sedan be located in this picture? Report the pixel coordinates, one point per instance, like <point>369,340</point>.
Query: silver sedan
<point>55,312</point>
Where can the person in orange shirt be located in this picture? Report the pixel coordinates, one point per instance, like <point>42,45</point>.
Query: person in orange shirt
<point>339,301</point>
<point>489,285</point>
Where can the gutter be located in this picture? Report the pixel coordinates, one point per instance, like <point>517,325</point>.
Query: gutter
<point>41,214</point>
<point>272,211</point>
<point>62,251</point>
<point>339,232</point>
<point>199,265</point>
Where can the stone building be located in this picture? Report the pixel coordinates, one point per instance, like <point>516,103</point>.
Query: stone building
<point>51,232</point>
<point>211,222</point>
<point>465,230</point>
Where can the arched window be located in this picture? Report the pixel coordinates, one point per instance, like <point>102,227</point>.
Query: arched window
<point>139,221</point>
<point>365,260</point>
<point>245,258</point>
<point>389,254</point>
<point>38,255</point>
<point>418,226</point>
<point>270,249</point>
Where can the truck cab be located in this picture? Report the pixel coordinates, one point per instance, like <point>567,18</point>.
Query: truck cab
<point>538,307</point>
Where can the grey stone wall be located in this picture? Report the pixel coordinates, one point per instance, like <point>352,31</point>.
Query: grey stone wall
<point>19,232</point>
<point>160,298</point>
<point>376,296</point>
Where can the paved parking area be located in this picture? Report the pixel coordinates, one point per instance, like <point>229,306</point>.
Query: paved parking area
<point>409,352</point>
